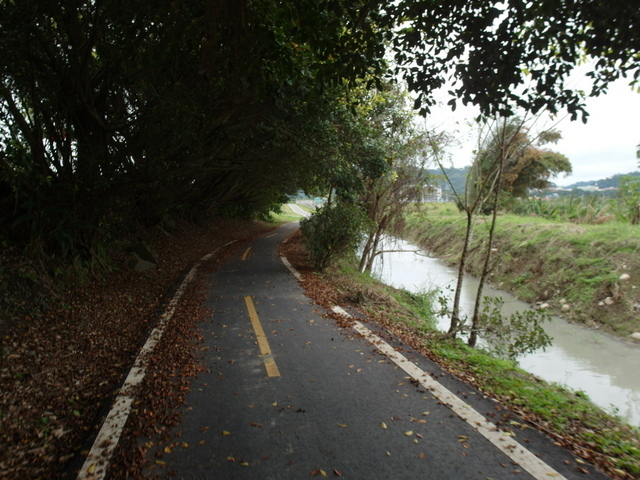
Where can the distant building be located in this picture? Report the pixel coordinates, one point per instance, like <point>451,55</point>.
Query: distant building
<point>432,194</point>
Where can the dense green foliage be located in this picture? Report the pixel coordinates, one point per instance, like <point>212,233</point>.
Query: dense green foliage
<point>508,55</point>
<point>117,115</point>
<point>114,115</point>
<point>331,232</point>
<point>407,149</point>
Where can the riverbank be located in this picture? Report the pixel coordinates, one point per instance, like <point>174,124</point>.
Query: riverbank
<point>589,274</point>
<point>523,400</point>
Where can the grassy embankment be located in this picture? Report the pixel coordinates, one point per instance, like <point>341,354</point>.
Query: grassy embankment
<point>286,214</point>
<point>569,417</point>
<point>588,274</point>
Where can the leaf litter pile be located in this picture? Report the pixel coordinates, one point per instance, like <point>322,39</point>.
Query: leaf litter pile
<point>59,372</point>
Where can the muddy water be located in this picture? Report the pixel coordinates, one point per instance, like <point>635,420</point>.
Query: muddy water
<point>606,369</point>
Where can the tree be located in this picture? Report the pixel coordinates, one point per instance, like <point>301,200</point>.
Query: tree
<point>118,115</point>
<point>386,197</point>
<point>483,181</point>
<point>506,142</point>
<point>508,152</point>
<point>527,166</point>
<point>501,143</point>
<point>331,232</point>
<point>114,116</point>
<point>502,56</point>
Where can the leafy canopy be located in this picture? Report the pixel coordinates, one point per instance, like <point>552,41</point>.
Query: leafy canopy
<point>117,114</point>
<point>505,55</point>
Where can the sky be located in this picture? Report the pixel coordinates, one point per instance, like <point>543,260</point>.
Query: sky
<point>603,147</point>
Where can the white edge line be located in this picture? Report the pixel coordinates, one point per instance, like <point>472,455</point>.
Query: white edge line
<point>291,269</point>
<point>97,462</point>
<point>507,444</point>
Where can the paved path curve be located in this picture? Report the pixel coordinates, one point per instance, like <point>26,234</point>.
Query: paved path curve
<point>298,210</point>
<point>287,394</point>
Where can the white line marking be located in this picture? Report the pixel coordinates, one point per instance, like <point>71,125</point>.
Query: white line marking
<point>505,443</point>
<point>290,267</point>
<point>97,462</point>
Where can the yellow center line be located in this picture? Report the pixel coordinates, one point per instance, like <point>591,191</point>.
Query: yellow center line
<point>263,344</point>
<point>246,253</point>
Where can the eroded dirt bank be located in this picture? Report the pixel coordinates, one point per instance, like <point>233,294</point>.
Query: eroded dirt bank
<point>588,274</point>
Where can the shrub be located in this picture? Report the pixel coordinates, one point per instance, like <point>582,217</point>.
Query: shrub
<point>332,231</point>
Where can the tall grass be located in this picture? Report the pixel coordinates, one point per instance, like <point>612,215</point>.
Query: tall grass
<point>571,208</point>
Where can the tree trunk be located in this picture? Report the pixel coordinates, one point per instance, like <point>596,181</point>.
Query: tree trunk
<point>374,248</point>
<point>475,320</point>
<point>497,187</point>
<point>366,253</point>
<point>455,311</point>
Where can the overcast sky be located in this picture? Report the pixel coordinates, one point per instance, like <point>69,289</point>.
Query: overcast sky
<point>606,145</point>
<point>603,147</point>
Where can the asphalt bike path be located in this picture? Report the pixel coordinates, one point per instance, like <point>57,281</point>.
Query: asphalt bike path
<point>288,394</point>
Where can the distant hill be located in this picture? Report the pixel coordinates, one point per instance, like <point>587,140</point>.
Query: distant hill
<point>610,182</point>
<point>457,176</point>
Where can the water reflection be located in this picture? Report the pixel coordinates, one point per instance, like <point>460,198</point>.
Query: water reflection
<point>603,367</point>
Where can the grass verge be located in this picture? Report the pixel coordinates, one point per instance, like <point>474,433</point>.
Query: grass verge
<point>287,215</point>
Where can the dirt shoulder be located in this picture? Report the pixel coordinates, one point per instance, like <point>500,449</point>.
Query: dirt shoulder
<point>60,369</point>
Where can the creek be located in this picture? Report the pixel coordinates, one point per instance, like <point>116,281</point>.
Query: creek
<point>583,359</point>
